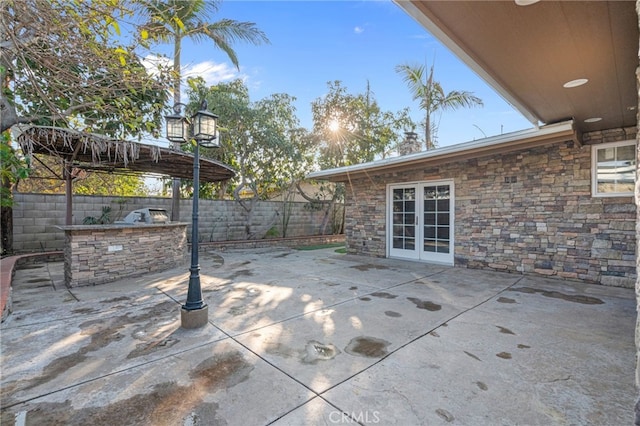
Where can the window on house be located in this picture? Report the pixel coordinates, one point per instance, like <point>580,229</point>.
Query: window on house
<point>613,169</point>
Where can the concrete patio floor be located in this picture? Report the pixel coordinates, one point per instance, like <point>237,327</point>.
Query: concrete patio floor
<point>315,338</point>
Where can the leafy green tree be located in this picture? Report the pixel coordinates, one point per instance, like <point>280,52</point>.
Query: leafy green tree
<point>65,63</point>
<point>175,20</point>
<point>171,21</point>
<point>432,97</point>
<point>352,128</point>
<point>103,184</point>
<point>12,169</point>
<point>262,140</point>
<point>328,197</point>
<point>44,178</point>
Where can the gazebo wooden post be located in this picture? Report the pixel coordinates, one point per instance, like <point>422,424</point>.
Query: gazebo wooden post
<point>68,191</point>
<point>67,165</point>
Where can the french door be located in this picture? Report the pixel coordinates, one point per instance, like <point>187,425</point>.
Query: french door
<point>421,218</point>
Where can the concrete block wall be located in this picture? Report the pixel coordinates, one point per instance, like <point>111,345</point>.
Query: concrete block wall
<point>35,221</point>
<point>545,223</point>
<point>37,217</point>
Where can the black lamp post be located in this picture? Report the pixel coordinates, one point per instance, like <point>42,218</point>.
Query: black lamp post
<point>195,312</point>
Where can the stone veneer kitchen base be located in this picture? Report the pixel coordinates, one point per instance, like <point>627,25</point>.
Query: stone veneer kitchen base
<point>98,254</point>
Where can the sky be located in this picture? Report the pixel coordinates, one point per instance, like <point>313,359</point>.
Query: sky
<point>314,42</point>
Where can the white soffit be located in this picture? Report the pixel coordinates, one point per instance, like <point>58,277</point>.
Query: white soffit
<point>433,28</point>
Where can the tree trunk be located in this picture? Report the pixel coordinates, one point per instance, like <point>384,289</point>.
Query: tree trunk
<point>249,210</point>
<point>427,132</point>
<point>176,183</point>
<point>8,114</point>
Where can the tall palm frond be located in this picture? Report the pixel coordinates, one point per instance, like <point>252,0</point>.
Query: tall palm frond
<point>431,97</point>
<point>174,20</point>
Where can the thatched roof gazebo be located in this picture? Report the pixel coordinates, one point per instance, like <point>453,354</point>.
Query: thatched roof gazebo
<point>94,152</point>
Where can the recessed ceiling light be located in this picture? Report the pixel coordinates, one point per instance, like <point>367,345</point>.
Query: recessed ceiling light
<point>526,2</point>
<point>593,119</point>
<point>575,83</point>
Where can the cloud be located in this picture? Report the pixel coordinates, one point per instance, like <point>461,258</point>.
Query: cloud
<point>212,72</point>
<point>153,62</point>
<point>358,30</point>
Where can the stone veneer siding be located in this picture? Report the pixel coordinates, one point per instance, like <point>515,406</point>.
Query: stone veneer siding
<point>145,248</point>
<point>545,223</point>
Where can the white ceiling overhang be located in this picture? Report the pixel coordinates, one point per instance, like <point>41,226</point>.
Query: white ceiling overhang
<point>527,54</point>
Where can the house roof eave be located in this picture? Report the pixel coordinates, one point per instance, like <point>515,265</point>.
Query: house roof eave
<point>552,133</point>
<point>436,30</point>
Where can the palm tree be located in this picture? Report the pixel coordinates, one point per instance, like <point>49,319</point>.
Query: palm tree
<point>432,97</point>
<point>175,20</point>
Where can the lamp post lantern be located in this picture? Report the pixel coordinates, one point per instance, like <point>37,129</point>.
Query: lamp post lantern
<point>194,313</point>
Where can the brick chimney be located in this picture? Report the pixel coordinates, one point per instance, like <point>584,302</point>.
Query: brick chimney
<point>410,144</point>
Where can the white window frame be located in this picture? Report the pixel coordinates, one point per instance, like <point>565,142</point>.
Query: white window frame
<point>594,168</point>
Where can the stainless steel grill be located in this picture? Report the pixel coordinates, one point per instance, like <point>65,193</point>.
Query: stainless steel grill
<point>145,216</point>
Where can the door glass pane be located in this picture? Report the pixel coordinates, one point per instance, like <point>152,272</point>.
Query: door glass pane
<point>404,217</point>
<point>409,231</point>
<point>443,192</point>
<point>442,247</point>
<point>409,194</point>
<point>430,192</point>
<point>437,211</point>
<point>443,233</point>
<point>429,219</point>
<point>429,205</point>
<point>429,232</point>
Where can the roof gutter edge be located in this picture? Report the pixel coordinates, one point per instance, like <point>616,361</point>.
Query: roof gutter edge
<point>548,134</point>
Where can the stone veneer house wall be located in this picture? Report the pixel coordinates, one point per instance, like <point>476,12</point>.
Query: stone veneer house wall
<point>522,211</point>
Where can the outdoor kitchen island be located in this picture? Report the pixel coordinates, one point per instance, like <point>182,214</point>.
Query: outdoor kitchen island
<point>99,254</point>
